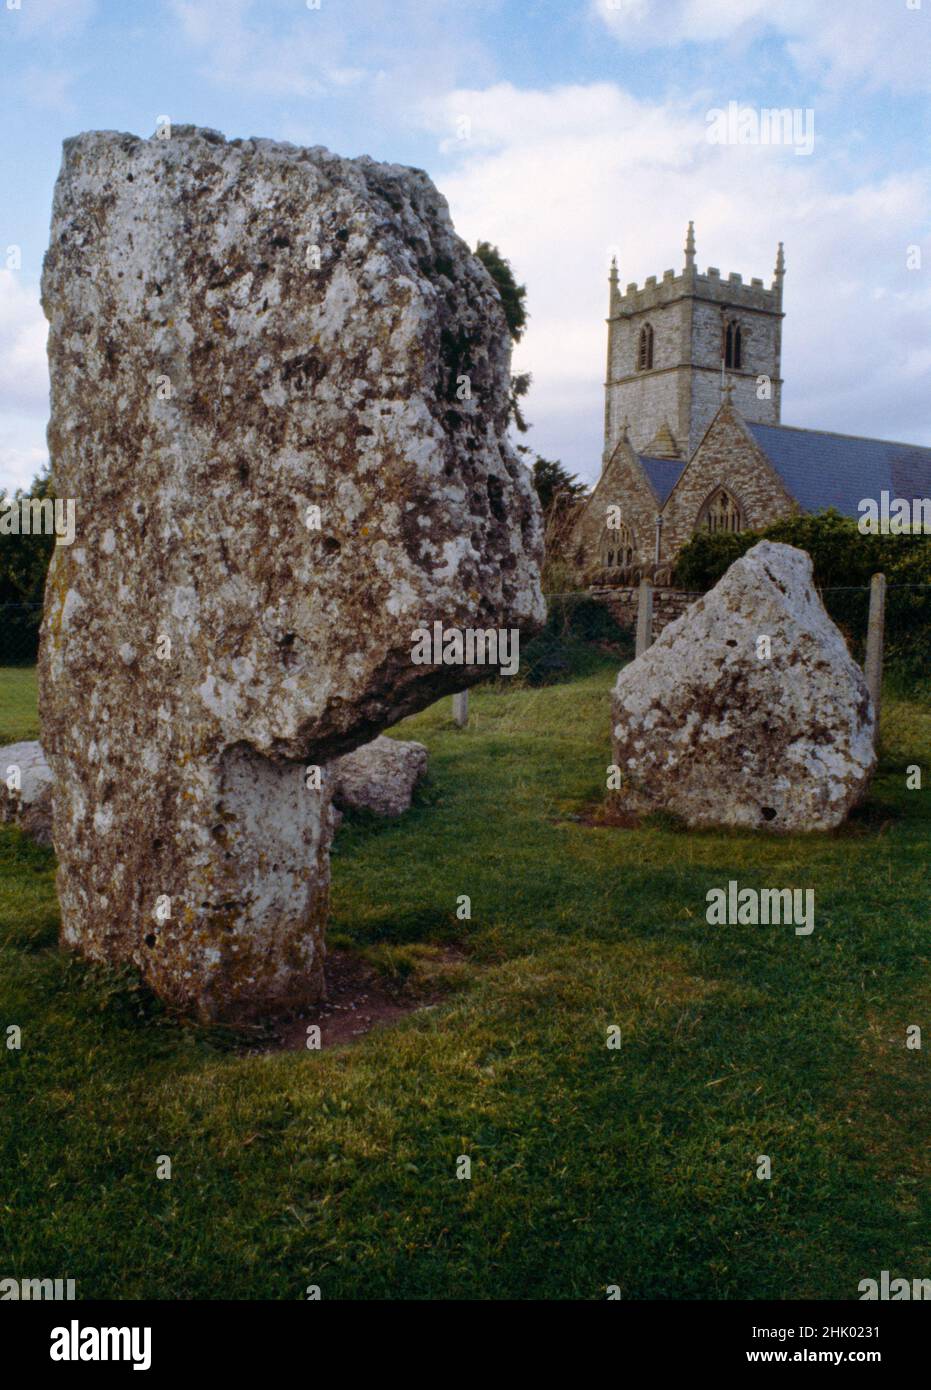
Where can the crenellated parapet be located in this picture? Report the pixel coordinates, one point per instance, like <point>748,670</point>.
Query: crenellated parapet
<point>675,341</point>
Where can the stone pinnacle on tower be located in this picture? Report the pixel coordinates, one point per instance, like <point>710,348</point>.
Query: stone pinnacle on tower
<point>614,293</point>
<point>690,247</point>
<point>780,265</point>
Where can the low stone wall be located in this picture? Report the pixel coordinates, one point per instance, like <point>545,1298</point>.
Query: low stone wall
<point>668,604</point>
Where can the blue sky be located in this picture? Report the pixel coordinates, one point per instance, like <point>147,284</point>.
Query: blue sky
<point>587,132</point>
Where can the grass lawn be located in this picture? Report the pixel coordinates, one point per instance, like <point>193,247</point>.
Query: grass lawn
<point>590,1166</point>
<point>19,717</point>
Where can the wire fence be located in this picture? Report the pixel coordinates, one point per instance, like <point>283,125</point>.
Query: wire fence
<point>588,637</point>
<point>600,619</point>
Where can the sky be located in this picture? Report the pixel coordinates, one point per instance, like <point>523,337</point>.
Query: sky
<point>564,131</point>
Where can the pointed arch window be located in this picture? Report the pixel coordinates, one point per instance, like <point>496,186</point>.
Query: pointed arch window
<point>722,512</point>
<point>617,547</point>
<point>733,346</point>
<point>645,350</point>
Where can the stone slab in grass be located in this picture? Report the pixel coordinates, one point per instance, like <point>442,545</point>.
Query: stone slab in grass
<point>26,790</point>
<point>748,710</point>
<point>379,777</point>
<point>280,401</point>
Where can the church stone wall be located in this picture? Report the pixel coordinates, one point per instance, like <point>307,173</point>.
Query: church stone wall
<point>683,388</point>
<point>622,484</point>
<point>647,402</point>
<point>622,603</point>
<point>727,457</point>
<point>761,335</point>
<point>653,307</point>
<point>707,397</point>
<point>649,398</point>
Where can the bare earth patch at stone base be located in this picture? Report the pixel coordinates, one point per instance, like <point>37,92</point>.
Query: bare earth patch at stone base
<point>359,998</point>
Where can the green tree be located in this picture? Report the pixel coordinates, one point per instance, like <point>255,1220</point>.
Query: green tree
<point>514,303</point>
<point>559,491</point>
<point>844,561</point>
<point>841,555</point>
<point>513,295</point>
<point>555,483</point>
<point>24,562</point>
<point>549,477</point>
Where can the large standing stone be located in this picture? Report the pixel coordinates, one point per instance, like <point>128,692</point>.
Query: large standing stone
<point>706,725</point>
<point>240,333</point>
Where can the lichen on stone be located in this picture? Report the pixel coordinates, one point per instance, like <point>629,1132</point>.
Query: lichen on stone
<point>707,728</point>
<point>209,387</point>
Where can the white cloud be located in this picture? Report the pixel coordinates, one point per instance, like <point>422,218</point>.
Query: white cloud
<point>877,44</point>
<point>23,381</point>
<point>23,455</point>
<point>283,49</point>
<point>48,89</point>
<point>53,19</point>
<point>257,54</point>
<point>23,331</point>
<point>559,178</point>
<point>650,24</point>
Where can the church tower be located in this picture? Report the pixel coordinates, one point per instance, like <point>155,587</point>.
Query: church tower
<point>676,345</point>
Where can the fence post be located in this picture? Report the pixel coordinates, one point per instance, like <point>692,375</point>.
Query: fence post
<point>461,708</point>
<point>873,666</point>
<point>644,617</point>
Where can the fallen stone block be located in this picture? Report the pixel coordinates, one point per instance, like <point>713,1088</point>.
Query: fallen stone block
<point>748,710</point>
<point>26,790</point>
<point>380,776</point>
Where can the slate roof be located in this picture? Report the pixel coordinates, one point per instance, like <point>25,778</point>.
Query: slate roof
<point>821,470</point>
<point>662,474</point>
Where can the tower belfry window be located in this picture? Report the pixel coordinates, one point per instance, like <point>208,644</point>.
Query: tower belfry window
<point>733,348</point>
<point>645,352</point>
